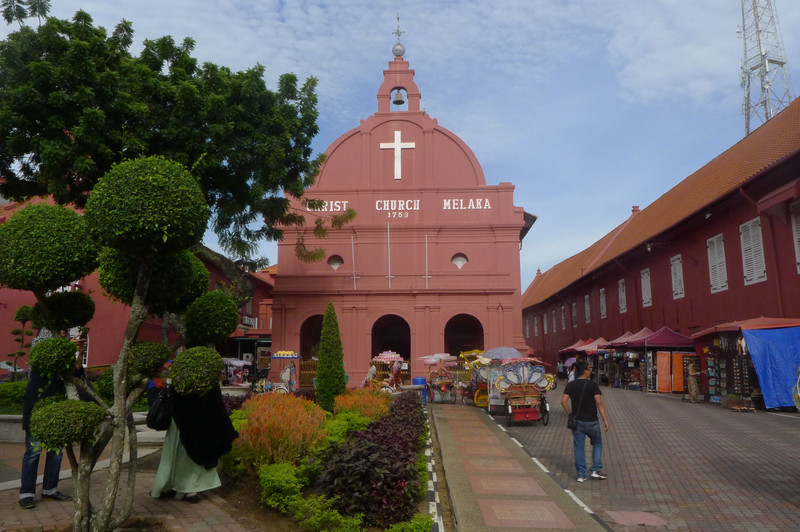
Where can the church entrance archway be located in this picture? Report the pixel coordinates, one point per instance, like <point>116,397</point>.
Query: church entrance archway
<point>310,332</point>
<point>463,333</point>
<point>391,333</point>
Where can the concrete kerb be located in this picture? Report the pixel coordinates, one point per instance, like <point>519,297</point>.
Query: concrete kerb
<point>465,503</point>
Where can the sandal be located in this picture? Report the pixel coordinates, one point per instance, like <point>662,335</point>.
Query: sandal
<point>193,499</point>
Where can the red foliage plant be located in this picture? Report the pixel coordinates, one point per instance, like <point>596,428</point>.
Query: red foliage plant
<point>279,428</point>
<point>369,403</point>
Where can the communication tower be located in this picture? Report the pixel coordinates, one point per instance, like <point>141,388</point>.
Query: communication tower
<point>763,76</point>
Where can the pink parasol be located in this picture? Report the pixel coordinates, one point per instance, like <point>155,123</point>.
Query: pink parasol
<point>388,356</point>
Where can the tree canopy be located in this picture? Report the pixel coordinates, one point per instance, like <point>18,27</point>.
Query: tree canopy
<point>74,101</point>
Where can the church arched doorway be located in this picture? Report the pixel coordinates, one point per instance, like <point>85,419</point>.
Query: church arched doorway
<point>391,333</point>
<point>310,333</point>
<point>462,333</point>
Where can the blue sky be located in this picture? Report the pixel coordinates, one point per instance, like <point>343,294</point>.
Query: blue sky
<point>588,106</point>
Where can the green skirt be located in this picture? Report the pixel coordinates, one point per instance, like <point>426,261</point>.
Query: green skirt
<point>178,472</point>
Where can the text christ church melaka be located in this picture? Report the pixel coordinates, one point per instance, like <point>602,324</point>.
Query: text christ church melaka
<point>430,264</point>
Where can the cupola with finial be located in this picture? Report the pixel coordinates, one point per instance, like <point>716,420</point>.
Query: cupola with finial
<point>397,79</point>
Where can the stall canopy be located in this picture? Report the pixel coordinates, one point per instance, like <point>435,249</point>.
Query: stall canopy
<point>776,358</point>
<point>664,337</point>
<point>592,347</point>
<point>644,333</point>
<point>619,340</point>
<point>573,347</point>
<point>752,323</point>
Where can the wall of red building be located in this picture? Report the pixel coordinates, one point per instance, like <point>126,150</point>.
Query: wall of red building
<point>699,308</point>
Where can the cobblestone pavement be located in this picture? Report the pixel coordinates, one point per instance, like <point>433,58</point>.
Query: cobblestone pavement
<point>674,465</point>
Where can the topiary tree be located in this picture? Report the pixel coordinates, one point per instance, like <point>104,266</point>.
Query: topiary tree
<point>330,368</point>
<point>147,212</point>
<point>23,316</point>
<point>196,371</point>
<point>211,318</point>
<point>45,247</point>
<point>63,310</point>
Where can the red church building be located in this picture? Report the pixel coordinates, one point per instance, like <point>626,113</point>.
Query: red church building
<point>430,264</point>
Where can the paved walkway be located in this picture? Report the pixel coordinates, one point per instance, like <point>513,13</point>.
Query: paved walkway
<point>671,465</point>
<point>674,465</point>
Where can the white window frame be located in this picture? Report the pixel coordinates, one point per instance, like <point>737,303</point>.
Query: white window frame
<point>623,301</point>
<point>574,314</point>
<point>753,264</point>
<point>528,327</point>
<point>587,308</point>
<point>795,215</point>
<point>603,310</point>
<point>544,323</point>
<point>563,317</point>
<point>536,325</point>
<point>676,270</point>
<point>647,294</point>
<point>553,315</point>
<point>717,270</point>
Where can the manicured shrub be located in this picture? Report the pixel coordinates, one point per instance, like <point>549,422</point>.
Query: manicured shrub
<point>147,205</point>
<point>418,523</point>
<point>369,403</point>
<point>319,514</point>
<point>45,247</point>
<point>177,279</point>
<point>147,358</point>
<point>211,318</point>
<point>11,393</point>
<point>65,423</point>
<point>196,371</point>
<point>375,473</point>
<point>63,310</point>
<point>343,425</point>
<point>279,484</point>
<point>330,368</point>
<point>279,428</point>
<point>53,356</point>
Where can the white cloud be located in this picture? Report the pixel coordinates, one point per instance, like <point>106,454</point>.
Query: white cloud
<point>587,106</point>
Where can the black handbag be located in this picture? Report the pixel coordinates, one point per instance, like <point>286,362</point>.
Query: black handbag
<point>159,416</point>
<point>572,419</point>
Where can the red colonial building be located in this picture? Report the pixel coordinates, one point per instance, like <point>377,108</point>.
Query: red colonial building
<point>431,262</point>
<point>722,245</point>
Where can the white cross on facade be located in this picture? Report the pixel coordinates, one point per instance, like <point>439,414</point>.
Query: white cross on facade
<point>397,146</point>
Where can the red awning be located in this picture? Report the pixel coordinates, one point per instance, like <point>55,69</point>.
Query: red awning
<point>592,347</point>
<point>619,340</point>
<point>752,323</point>
<point>644,333</point>
<point>573,347</point>
<point>664,337</point>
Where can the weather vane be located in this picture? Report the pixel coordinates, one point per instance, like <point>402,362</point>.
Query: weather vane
<point>398,31</point>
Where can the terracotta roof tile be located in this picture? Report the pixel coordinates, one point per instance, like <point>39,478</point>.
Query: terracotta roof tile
<point>771,143</point>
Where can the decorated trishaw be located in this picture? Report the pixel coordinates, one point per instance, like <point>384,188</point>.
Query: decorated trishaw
<point>474,389</point>
<point>441,380</point>
<point>394,361</point>
<point>496,355</point>
<point>522,383</point>
<point>288,375</point>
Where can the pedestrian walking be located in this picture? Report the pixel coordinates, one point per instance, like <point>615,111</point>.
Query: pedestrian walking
<point>583,397</point>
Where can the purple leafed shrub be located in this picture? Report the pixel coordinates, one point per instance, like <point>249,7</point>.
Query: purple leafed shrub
<point>233,402</point>
<point>374,472</point>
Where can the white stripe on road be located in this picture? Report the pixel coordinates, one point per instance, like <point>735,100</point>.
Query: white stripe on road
<point>541,465</point>
<point>517,442</point>
<point>580,502</point>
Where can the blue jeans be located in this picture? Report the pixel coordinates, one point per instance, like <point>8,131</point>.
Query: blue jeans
<point>30,469</point>
<point>591,429</point>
